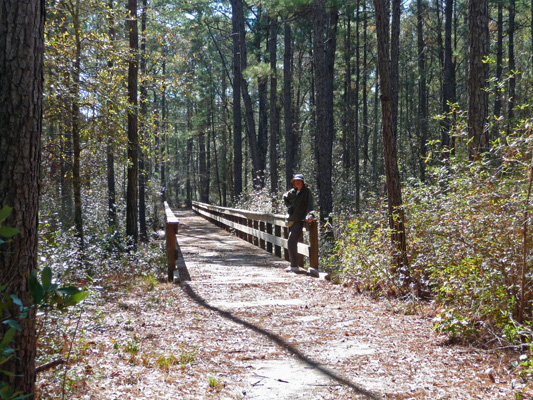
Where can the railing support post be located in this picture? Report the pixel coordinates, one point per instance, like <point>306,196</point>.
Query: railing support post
<point>313,244</point>
<point>171,230</point>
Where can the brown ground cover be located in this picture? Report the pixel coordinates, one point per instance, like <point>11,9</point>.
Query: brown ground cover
<point>242,328</point>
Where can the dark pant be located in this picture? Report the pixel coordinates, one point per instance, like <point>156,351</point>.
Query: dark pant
<point>294,235</point>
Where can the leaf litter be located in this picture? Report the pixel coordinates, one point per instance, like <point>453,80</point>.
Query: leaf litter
<point>243,328</point>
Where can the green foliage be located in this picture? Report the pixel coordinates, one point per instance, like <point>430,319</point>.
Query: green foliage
<point>214,382</point>
<point>469,247</point>
<point>46,294</point>
<point>361,255</point>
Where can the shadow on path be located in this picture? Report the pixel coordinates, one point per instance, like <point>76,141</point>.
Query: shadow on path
<point>189,291</point>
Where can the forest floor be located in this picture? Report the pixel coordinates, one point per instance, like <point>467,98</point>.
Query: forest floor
<point>243,328</point>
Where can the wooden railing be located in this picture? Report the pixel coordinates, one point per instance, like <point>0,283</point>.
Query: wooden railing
<point>267,231</point>
<point>171,230</point>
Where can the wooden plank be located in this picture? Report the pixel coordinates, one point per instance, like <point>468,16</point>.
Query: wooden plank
<point>275,219</point>
<point>249,231</point>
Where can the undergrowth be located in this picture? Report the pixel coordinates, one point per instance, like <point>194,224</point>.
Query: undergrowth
<point>468,246</point>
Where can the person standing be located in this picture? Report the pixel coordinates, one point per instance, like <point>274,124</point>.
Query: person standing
<point>300,204</point>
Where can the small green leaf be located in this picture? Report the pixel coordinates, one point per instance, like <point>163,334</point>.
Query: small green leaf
<point>7,232</point>
<point>36,290</point>
<point>4,213</point>
<point>46,278</point>
<point>8,373</point>
<point>13,324</point>
<point>16,300</point>
<point>21,396</point>
<point>8,337</point>
<point>69,290</point>
<point>79,297</point>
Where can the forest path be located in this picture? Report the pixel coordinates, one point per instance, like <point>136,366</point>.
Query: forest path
<point>270,334</point>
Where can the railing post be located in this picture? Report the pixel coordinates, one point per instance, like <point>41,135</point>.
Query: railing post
<point>286,236</point>
<point>313,244</point>
<point>277,249</point>
<point>269,244</point>
<point>171,232</point>
<point>262,242</point>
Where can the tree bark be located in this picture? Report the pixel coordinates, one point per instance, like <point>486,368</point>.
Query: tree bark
<point>287,105</point>
<point>274,112</point>
<point>394,62</point>
<point>365,132</point>
<point>499,71</point>
<point>478,18</point>
<point>74,9</point>
<point>394,195</point>
<point>325,33</point>
<point>110,156</point>
<point>512,62</point>
<point>237,119</point>
<point>132,230</point>
<point>422,92</point>
<point>355,113</point>
<point>163,132</point>
<point>202,168</point>
<point>448,89</point>
<point>21,89</point>
<point>142,130</point>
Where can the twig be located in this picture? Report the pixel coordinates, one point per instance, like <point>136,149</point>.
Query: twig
<point>50,365</point>
<point>70,353</point>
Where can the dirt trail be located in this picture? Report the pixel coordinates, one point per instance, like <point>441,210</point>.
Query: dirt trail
<point>243,328</point>
<point>289,336</point>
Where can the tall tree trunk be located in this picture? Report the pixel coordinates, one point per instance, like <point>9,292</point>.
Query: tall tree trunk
<point>163,132</point>
<point>394,194</point>
<point>67,204</point>
<point>422,92</point>
<point>237,118</point>
<point>274,112</point>
<point>499,71</point>
<point>512,65</point>
<point>262,128</point>
<point>142,130</point>
<point>287,105</point>
<point>132,230</point>
<point>448,88</point>
<point>74,10</point>
<point>325,33</point>
<point>375,172</point>
<point>355,113</point>
<point>347,120</point>
<point>21,88</point>
<point>226,168</point>
<point>262,91</point>
<point>110,155</point>
<point>365,130</point>
<point>202,168</point>
<point>189,171</point>
<point>257,164</point>
<point>395,62</point>
<point>212,113</point>
<point>478,18</point>
<point>67,197</point>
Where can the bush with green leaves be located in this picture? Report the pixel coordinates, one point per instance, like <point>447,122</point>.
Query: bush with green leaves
<point>469,245</point>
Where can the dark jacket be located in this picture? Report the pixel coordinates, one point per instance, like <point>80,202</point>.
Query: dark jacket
<point>299,204</point>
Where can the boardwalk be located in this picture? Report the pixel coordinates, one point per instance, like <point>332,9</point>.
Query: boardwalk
<point>285,336</point>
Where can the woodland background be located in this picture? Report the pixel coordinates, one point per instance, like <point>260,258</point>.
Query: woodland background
<point>410,120</point>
